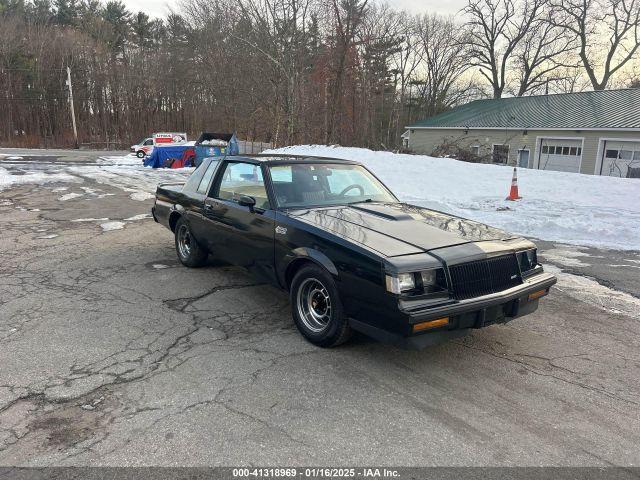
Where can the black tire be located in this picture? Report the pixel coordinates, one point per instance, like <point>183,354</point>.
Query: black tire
<point>316,307</point>
<point>190,252</point>
<point>140,154</point>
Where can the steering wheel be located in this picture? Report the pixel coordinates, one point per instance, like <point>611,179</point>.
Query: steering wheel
<point>351,187</point>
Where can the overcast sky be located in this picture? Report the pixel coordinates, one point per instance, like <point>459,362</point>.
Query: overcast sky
<point>158,8</point>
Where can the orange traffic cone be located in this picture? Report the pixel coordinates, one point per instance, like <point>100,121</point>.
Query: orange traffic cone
<point>513,193</point>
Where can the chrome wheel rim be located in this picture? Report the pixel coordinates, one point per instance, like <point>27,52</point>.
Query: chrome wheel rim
<point>184,241</point>
<point>314,305</point>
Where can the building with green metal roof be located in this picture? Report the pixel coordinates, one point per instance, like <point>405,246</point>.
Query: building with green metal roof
<point>587,132</point>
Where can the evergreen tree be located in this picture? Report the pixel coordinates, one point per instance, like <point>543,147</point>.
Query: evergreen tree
<point>142,30</point>
<point>41,11</point>
<point>12,7</point>
<point>118,17</point>
<point>66,12</point>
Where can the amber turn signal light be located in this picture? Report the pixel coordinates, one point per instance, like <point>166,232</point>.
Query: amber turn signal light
<point>438,322</point>
<point>538,294</point>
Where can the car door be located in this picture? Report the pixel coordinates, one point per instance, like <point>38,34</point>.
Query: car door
<point>198,187</point>
<point>242,235</point>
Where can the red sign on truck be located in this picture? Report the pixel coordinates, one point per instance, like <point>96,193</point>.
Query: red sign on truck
<point>166,138</point>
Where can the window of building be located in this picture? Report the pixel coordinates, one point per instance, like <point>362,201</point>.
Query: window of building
<point>545,149</point>
<point>626,154</point>
<point>500,153</point>
<point>475,149</point>
<point>612,154</point>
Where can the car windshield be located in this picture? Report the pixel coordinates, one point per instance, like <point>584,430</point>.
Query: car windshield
<point>313,184</point>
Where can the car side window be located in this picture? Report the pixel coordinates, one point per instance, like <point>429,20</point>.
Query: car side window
<point>148,142</point>
<point>243,179</point>
<point>203,187</point>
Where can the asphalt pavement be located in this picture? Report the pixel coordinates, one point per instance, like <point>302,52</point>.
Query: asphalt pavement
<point>112,353</point>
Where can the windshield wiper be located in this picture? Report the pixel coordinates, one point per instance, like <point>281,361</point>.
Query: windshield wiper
<point>366,200</point>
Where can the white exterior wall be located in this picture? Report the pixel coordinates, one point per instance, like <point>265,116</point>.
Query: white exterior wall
<point>424,140</point>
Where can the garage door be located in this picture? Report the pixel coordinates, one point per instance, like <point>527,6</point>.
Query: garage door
<point>619,157</point>
<point>560,155</point>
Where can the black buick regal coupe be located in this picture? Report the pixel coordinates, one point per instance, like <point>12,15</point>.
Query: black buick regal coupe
<point>350,254</point>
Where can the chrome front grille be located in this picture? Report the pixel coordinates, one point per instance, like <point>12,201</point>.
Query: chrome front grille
<point>482,277</point>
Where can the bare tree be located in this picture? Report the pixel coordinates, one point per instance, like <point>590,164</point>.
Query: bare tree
<point>378,41</point>
<point>544,50</point>
<point>567,79</point>
<point>445,59</point>
<point>278,29</point>
<point>406,62</point>
<point>592,22</point>
<point>347,15</point>
<point>281,71</point>
<point>496,28</point>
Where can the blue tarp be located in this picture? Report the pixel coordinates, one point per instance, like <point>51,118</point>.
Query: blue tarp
<point>161,154</point>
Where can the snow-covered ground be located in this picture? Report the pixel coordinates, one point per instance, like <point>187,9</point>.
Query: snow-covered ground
<point>124,172</point>
<point>8,179</point>
<point>561,207</point>
<point>556,206</point>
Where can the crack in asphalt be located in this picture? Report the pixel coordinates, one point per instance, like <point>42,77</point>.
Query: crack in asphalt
<point>145,365</point>
<point>55,413</point>
<point>530,368</point>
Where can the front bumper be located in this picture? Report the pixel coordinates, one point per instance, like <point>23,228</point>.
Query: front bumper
<point>464,315</point>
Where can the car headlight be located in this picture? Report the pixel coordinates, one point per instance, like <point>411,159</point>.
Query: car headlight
<point>426,281</point>
<point>528,259</point>
<point>433,280</point>
<point>403,282</point>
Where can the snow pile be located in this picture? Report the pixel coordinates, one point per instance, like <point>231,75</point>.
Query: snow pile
<point>126,160</point>
<point>7,179</point>
<point>69,196</point>
<point>140,216</point>
<point>141,196</point>
<point>557,206</point>
<point>140,181</point>
<point>113,225</point>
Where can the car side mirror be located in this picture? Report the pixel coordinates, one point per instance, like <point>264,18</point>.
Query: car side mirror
<point>247,201</point>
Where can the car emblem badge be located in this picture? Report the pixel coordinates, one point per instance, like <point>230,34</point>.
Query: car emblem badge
<point>281,230</point>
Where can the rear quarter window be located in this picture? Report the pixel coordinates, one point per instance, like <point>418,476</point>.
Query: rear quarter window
<point>195,182</point>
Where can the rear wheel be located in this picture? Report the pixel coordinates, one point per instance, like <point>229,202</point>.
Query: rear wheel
<point>316,307</point>
<point>190,253</point>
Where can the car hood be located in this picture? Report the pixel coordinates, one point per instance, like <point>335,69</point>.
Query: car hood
<point>398,228</point>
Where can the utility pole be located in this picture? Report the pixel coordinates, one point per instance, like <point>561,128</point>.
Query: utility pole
<point>73,111</point>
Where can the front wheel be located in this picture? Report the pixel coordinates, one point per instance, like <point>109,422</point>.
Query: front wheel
<point>316,308</point>
<point>190,253</point>
<point>140,154</point>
